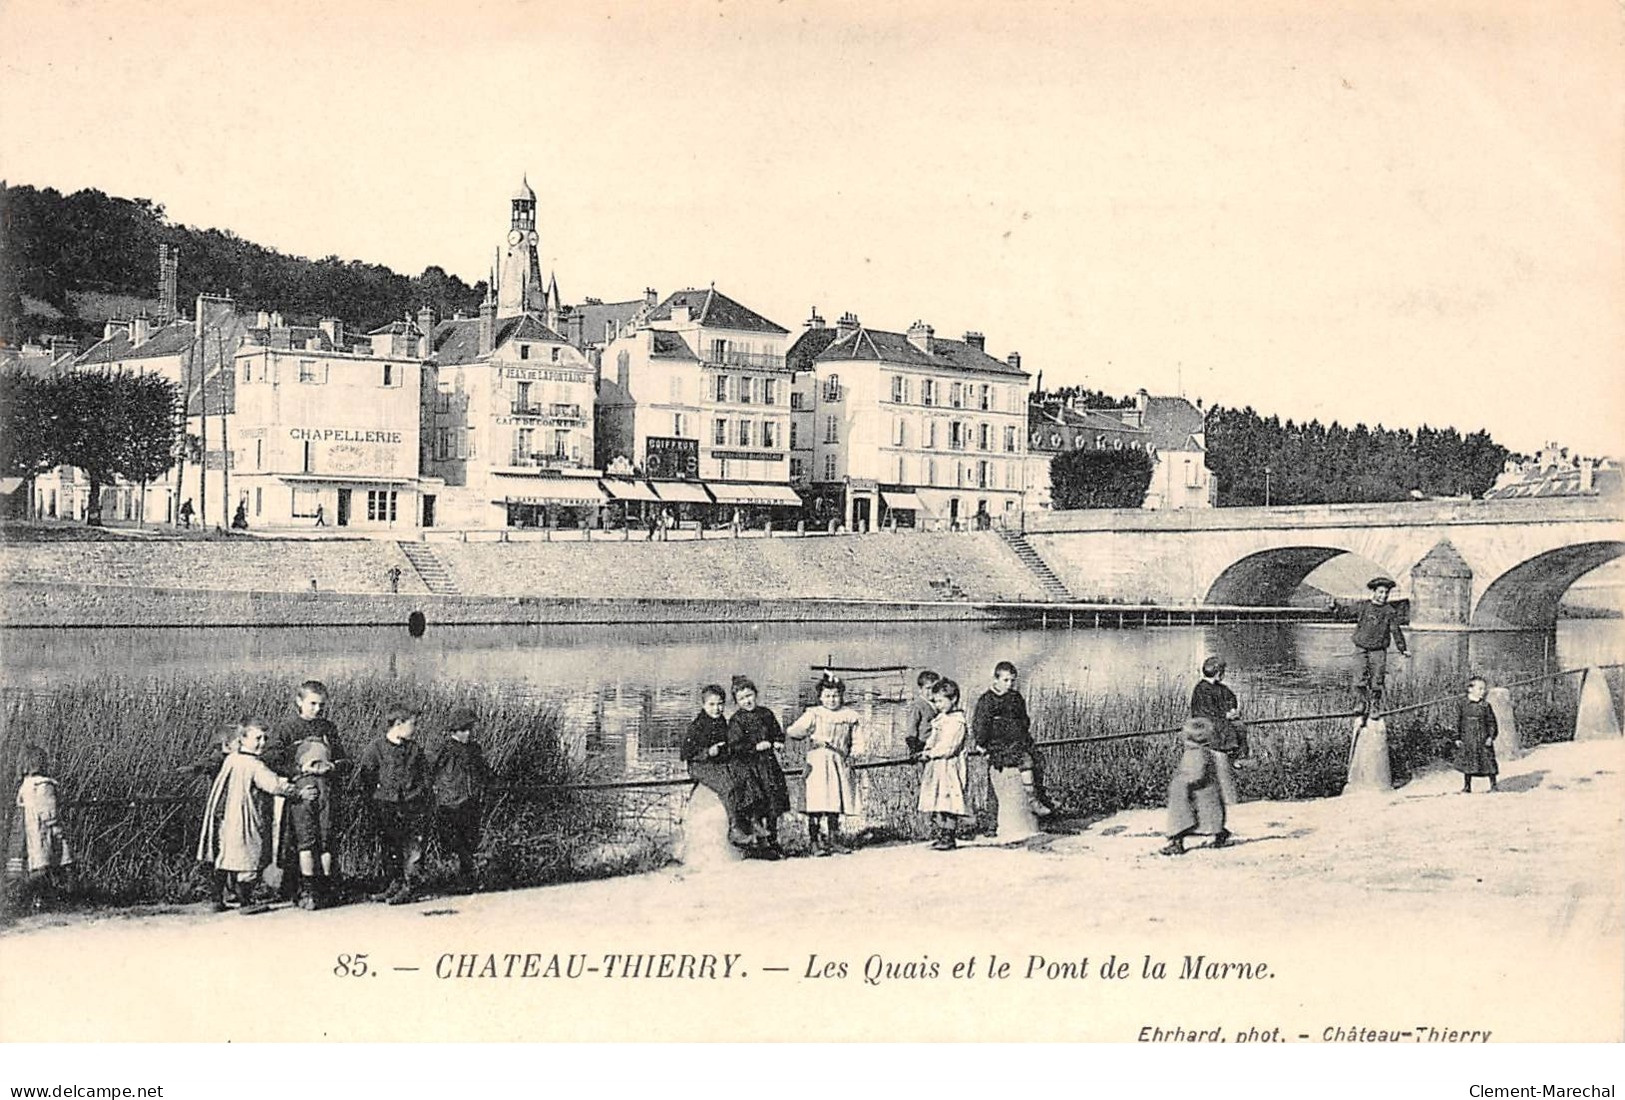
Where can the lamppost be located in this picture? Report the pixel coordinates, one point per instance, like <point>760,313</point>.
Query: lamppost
<point>1266,484</point>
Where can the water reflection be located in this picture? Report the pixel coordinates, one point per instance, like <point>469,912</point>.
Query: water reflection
<point>627,693</point>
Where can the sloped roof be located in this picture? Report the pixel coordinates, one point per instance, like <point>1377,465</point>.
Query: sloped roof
<point>290,337</point>
<point>713,309</point>
<point>396,328</point>
<point>895,347</point>
<point>171,339</point>
<point>610,392</point>
<point>669,345</point>
<point>808,347</point>
<point>1174,423</point>
<point>592,316</point>
<point>458,340</point>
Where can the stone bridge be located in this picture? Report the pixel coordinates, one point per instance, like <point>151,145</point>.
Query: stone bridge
<point>1463,564</point>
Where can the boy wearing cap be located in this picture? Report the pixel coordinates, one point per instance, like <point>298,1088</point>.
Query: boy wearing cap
<point>312,814</point>
<point>393,778</point>
<point>461,778</point>
<point>1379,620</point>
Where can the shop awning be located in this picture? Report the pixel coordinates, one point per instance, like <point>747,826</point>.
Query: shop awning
<point>902,502</point>
<point>680,492</point>
<point>731,494</point>
<point>564,490</point>
<point>343,479</point>
<point>777,494</point>
<point>622,489</point>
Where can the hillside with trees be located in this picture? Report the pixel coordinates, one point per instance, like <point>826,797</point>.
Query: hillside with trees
<point>55,248</point>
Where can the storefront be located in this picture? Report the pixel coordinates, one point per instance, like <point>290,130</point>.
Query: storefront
<point>553,502</point>
<point>755,504</point>
<point>632,501</point>
<point>682,500</point>
<point>900,508</point>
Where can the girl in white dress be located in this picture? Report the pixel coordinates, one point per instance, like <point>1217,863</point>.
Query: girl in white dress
<point>942,782</point>
<point>830,790</point>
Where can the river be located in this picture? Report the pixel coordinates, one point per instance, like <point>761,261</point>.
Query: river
<point>629,691</point>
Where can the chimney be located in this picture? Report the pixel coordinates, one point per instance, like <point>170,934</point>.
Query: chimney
<point>334,328</point>
<point>114,327</point>
<point>169,260</point>
<point>276,319</point>
<point>847,324</point>
<point>1586,468</point>
<point>140,330</point>
<point>919,334</point>
<point>680,312</point>
<point>262,319</point>
<point>623,372</point>
<point>650,298</point>
<point>976,340</point>
<point>815,321</point>
<point>1142,400</point>
<point>1014,360</point>
<point>63,348</point>
<point>426,326</point>
<point>488,324</point>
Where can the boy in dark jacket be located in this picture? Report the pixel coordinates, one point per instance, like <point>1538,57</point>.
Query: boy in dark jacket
<point>392,775</point>
<point>461,778</point>
<point>1002,729</point>
<point>1379,620</point>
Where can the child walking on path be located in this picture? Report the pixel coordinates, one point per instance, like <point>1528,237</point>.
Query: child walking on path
<point>754,738</point>
<point>39,859</point>
<point>1212,700</point>
<point>1475,737</point>
<point>829,728</point>
<point>236,838</point>
<point>461,779</point>
<point>393,776</point>
<point>1194,802</point>
<point>942,782</point>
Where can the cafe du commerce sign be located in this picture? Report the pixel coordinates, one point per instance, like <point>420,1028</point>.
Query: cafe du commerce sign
<point>667,457</point>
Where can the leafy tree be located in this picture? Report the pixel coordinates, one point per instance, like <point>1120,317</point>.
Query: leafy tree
<point>1087,478</point>
<point>110,425</point>
<point>24,448</point>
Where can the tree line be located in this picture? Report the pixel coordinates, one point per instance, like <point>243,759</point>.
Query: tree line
<point>107,424</point>
<point>52,245</point>
<point>1252,456</point>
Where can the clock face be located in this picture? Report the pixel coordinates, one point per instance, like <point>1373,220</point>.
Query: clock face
<point>515,237</point>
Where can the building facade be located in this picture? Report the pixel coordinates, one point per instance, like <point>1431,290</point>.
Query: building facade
<point>911,429</point>
<point>1170,429</point>
<point>697,391</point>
<point>325,436</point>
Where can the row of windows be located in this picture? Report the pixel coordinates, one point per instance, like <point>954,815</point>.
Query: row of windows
<point>1101,442</point>
<point>747,433</point>
<point>955,395</point>
<point>947,473</point>
<point>741,389</point>
<point>958,435</point>
<point>316,372</point>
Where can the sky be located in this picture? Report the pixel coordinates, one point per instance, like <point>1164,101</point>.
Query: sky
<point>1369,212</point>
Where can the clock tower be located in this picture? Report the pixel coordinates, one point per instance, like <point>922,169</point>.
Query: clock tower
<point>519,285</point>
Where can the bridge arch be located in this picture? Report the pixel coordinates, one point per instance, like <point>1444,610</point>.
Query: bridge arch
<point>1270,577</point>
<point>1525,597</point>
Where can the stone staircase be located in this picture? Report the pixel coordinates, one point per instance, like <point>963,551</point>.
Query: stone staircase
<point>429,568</point>
<point>1053,588</point>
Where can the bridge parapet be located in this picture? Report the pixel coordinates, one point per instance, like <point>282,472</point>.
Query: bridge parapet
<point>1410,513</point>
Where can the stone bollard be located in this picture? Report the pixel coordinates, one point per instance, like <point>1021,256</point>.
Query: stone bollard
<point>1508,742</point>
<point>801,527</point>
<point>1369,771</point>
<point>1596,719</point>
<point>1016,819</point>
<point>703,839</point>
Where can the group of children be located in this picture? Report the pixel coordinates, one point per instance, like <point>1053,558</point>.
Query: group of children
<point>291,771</point>
<point>737,758</point>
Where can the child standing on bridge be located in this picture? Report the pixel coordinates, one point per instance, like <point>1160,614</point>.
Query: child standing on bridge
<point>831,792</point>
<point>1379,620</point>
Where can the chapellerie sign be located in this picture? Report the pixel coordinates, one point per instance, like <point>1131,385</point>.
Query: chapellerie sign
<point>343,435</point>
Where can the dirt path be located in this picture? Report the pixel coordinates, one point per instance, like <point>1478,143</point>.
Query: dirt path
<point>1426,909</point>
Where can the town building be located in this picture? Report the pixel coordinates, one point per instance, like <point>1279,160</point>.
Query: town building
<point>1170,429</point>
<point>695,398</point>
<point>910,429</point>
<point>1555,471</point>
<point>327,435</point>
